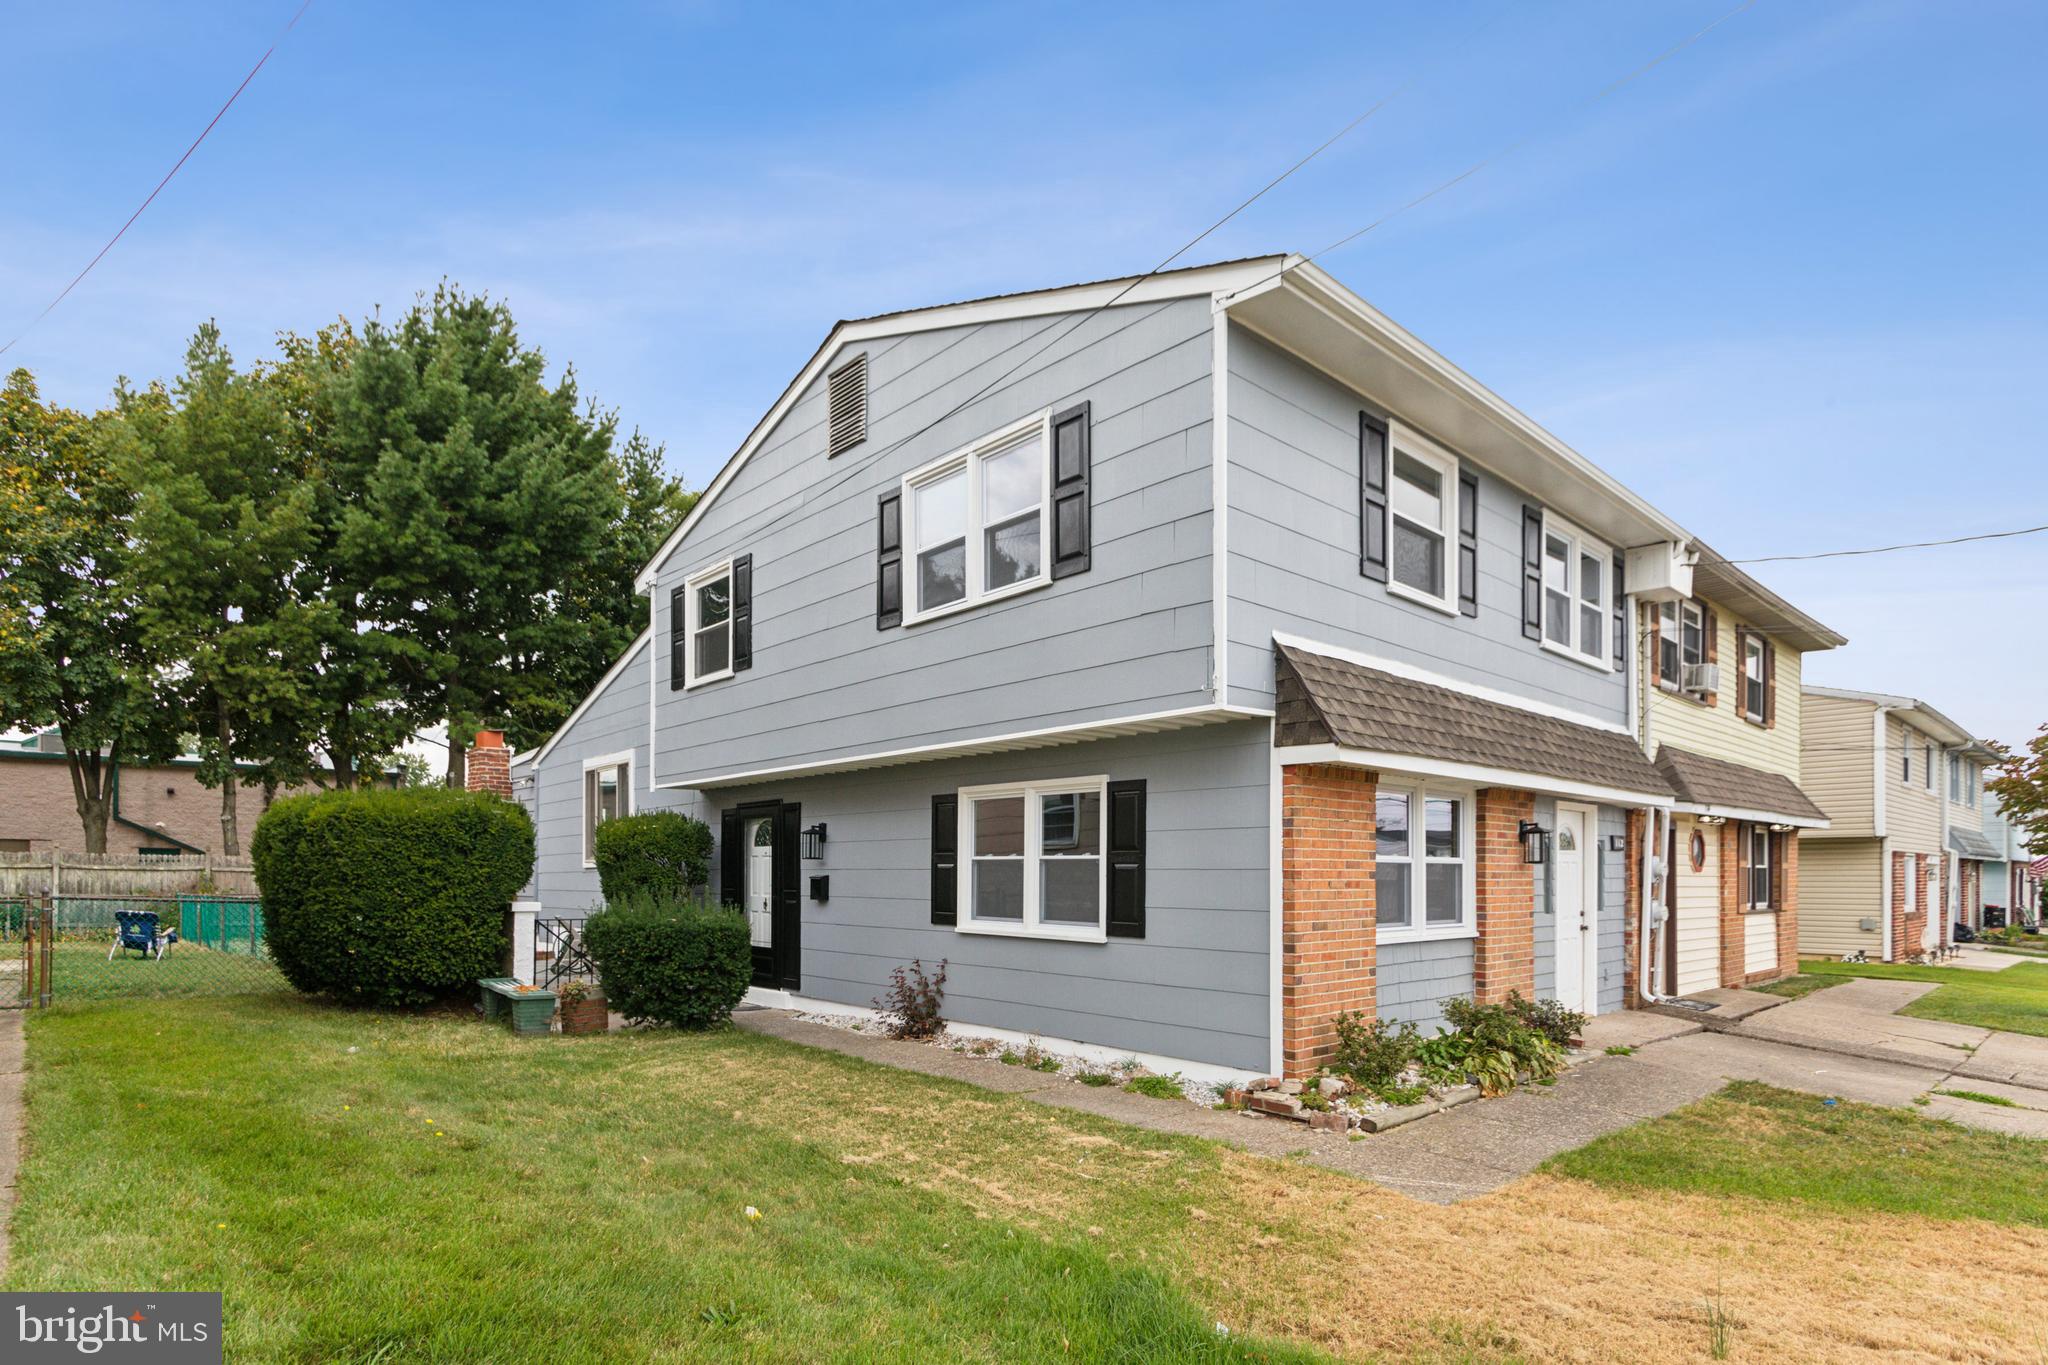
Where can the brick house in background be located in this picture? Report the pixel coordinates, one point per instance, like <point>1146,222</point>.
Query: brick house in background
<point>157,808</point>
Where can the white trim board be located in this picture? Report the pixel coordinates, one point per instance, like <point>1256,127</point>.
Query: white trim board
<point>1474,774</point>
<point>1115,727</point>
<point>1478,691</point>
<point>618,667</point>
<point>1754,817</point>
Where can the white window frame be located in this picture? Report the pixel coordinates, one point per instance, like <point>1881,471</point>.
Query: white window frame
<point>1580,545</point>
<point>969,457</point>
<point>1756,833</point>
<point>622,761</point>
<point>691,677</point>
<point>1419,448</point>
<point>1753,648</point>
<point>1672,628</point>
<point>1419,929</point>
<point>1031,926</point>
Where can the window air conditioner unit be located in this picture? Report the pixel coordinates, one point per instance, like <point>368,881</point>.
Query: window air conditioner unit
<point>1701,678</point>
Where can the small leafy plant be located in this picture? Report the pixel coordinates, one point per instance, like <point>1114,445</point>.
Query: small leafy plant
<point>911,1007</point>
<point>1096,1078</point>
<point>1621,1050</point>
<point>1548,1017</point>
<point>1156,1087</point>
<point>1373,1053</point>
<point>1490,1044</point>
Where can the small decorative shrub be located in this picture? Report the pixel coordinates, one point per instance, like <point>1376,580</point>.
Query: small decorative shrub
<point>1372,1053</point>
<point>1491,1045</point>
<point>390,897</point>
<point>1156,1087</point>
<point>667,962</point>
<point>911,1007</point>
<point>1096,1078</point>
<point>1548,1017</point>
<point>662,854</point>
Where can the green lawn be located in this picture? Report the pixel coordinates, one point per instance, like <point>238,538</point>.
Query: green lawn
<point>379,1187</point>
<point>1793,987</point>
<point>81,970</point>
<point>2015,999</point>
<point>1760,1142</point>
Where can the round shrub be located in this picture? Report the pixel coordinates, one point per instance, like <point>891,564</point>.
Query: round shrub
<point>390,897</point>
<point>663,962</point>
<point>662,855</point>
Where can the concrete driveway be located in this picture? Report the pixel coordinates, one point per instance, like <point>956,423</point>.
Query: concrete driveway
<point>1859,1018</point>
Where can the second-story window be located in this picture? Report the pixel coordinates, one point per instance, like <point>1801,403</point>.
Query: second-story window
<point>1576,589</point>
<point>1753,680</point>
<point>708,600</point>
<point>1423,509</point>
<point>977,525</point>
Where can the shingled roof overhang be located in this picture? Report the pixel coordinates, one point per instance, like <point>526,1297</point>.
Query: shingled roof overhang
<point>1385,720</point>
<point>1968,843</point>
<point>1714,786</point>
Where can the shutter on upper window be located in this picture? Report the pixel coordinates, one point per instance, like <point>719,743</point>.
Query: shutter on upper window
<point>1656,614</point>
<point>1468,544</point>
<point>1770,685</point>
<point>1621,640</point>
<point>1532,572</point>
<point>1372,497</point>
<point>678,631</point>
<point>1127,859</point>
<point>732,859</point>
<point>889,560</point>
<point>945,858</point>
<point>1710,648</point>
<point>742,612</point>
<point>1070,514</point>
<point>846,419</point>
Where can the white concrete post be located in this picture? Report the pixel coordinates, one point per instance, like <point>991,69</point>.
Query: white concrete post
<point>522,916</point>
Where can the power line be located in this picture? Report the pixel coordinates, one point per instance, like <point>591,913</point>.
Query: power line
<point>163,182</point>
<point>1506,151</point>
<point>1887,549</point>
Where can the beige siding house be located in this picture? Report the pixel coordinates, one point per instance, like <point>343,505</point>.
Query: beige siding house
<point>1902,857</point>
<point>1721,714</point>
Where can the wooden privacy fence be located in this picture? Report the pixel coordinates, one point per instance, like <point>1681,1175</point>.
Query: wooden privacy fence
<point>122,874</point>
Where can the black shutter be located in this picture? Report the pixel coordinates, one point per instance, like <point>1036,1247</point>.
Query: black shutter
<point>732,859</point>
<point>1372,497</point>
<point>1070,515</point>
<point>1621,641</point>
<point>1532,572</point>
<point>677,629</point>
<point>889,560</point>
<point>1468,544</point>
<point>1127,859</point>
<point>945,858</point>
<point>742,612</point>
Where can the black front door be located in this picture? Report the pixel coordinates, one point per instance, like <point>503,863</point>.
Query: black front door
<point>760,869</point>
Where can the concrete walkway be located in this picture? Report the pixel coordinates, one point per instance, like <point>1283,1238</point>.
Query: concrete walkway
<point>12,1068</point>
<point>1971,957</point>
<point>1859,1018</point>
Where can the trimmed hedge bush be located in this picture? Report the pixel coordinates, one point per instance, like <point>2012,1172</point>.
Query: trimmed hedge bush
<point>662,855</point>
<point>390,897</point>
<point>665,962</point>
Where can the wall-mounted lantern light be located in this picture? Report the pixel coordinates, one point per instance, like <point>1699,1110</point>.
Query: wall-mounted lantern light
<point>1535,839</point>
<point>814,842</point>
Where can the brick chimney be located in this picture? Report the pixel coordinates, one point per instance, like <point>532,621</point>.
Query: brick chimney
<point>489,764</point>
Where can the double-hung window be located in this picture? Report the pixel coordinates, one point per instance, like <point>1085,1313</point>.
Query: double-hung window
<point>1422,519</point>
<point>1423,857</point>
<point>1753,680</point>
<point>1034,859</point>
<point>707,600</point>
<point>977,525</point>
<point>607,794</point>
<point>1759,867</point>
<point>1577,590</point>
<point>1681,640</point>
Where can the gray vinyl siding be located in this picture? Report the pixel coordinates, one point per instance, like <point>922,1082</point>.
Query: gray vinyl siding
<point>1414,980</point>
<point>1613,887</point>
<point>1130,636</point>
<point>1294,545</point>
<point>1195,987</point>
<point>615,721</point>
<point>1546,910</point>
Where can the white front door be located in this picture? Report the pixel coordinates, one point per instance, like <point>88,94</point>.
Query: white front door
<point>1577,910</point>
<point>761,881</point>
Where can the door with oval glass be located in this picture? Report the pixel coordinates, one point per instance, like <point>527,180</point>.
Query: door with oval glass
<point>1576,907</point>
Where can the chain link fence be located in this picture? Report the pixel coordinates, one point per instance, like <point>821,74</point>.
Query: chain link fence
<point>66,948</point>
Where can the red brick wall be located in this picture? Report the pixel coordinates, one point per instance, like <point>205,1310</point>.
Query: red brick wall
<point>1327,938</point>
<point>1504,957</point>
<point>1732,955</point>
<point>1909,920</point>
<point>1786,895</point>
<point>1632,912</point>
<point>1898,908</point>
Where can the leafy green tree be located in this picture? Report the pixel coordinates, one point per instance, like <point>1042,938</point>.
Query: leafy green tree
<point>71,648</point>
<point>2021,787</point>
<point>224,525</point>
<point>477,491</point>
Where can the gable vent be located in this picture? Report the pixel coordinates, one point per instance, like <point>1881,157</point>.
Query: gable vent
<point>848,422</point>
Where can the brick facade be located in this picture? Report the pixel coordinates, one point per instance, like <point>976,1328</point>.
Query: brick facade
<point>1327,937</point>
<point>1897,909</point>
<point>39,809</point>
<point>1632,911</point>
<point>1785,895</point>
<point>1909,919</point>
<point>1732,924</point>
<point>1504,955</point>
<point>488,767</point>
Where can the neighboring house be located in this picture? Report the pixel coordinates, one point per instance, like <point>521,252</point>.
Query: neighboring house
<point>1182,661</point>
<point>157,809</point>
<point>1721,713</point>
<point>2012,880</point>
<point>1904,849</point>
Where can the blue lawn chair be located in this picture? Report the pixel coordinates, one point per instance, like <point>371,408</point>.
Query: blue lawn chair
<point>137,929</point>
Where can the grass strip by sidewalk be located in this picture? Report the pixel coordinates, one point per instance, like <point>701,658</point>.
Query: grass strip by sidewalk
<point>1794,987</point>
<point>1755,1141</point>
<point>2015,1000</point>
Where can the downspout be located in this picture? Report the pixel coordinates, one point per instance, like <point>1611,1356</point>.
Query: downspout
<point>1653,837</point>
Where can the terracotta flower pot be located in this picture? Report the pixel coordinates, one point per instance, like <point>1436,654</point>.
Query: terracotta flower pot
<point>588,1015</point>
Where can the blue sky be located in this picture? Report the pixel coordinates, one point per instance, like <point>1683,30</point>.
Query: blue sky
<point>1789,285</point>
